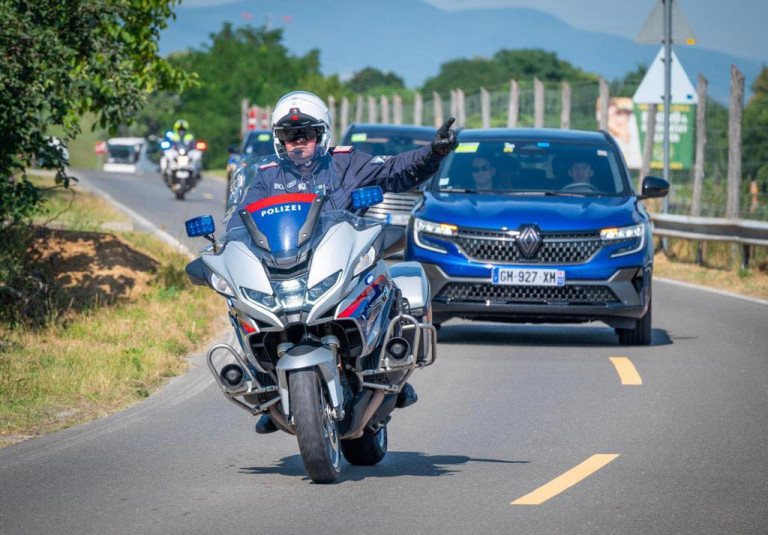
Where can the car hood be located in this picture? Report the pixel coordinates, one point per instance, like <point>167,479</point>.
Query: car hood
<point>511,211</point>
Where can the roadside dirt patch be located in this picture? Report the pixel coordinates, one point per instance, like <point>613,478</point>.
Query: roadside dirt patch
<point>91,267</point>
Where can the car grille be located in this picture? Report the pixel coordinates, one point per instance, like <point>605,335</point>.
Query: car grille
<point>556,248</point>
<point>480,292</point>
<point>398,206</point>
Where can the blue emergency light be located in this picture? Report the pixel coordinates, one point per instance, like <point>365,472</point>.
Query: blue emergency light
<point>365,197</point>
<point>165,144</point>
<point>200,226</point>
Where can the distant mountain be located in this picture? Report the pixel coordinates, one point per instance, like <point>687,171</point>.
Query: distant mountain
<point>412,38</point>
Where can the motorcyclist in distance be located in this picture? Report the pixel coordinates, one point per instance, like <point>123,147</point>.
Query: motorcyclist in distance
<point>301,126</point>
<point>181,133</point>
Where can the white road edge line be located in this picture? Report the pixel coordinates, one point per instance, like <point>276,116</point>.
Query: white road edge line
<point>755,300</point>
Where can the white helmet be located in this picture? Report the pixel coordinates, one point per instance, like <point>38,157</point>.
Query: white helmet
<point>297,110</point>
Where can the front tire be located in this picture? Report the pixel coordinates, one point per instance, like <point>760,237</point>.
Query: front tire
<point>367,450</point>
<point>641,334</point>
<point>316,430</point>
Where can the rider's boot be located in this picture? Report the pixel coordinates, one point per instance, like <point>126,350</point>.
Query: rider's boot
<point>265,425</point>
<point>406,397</point>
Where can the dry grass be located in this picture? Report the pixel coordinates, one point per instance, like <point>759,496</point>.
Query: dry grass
<point>119,346</point>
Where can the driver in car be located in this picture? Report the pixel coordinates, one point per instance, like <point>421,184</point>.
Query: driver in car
<point>581,172</point>
<point>301,125</point>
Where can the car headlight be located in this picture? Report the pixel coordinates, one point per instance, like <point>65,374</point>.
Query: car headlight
<point>319,289</point>
<point>634,234</point>
<point>267,301</point>
<point>221,285</point>
<point>421,226</point>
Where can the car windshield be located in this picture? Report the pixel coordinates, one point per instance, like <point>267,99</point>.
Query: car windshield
<point>532,167</point>
<point>387,144</point>
<point>258,144</point>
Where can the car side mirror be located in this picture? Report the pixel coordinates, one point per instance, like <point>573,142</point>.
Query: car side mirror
<point>365,197</point>
<point>654,187</point>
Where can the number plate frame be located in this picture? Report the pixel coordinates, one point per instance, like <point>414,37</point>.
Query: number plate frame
<point>527,277</point>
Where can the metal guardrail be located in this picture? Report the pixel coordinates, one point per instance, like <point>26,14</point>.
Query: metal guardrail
<point>746,232</point>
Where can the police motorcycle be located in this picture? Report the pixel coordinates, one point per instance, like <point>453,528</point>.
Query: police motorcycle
<point>328,333</point>
<point>181,165</point>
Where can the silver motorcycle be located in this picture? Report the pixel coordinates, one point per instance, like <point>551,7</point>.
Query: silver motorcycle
<point>328,332</point>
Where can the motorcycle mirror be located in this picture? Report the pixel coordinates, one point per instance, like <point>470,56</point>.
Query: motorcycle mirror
<point>365,197</point>
<point>200,226</point>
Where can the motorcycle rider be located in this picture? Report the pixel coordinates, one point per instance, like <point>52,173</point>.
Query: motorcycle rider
<point>181,133</point>
<point>301,126</point>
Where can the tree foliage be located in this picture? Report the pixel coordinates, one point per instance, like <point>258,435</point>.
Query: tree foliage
<point>755,149</point>
<point>372,80</point>
<point>522,65</point>
<point>60,60</point>
<point>236,63</point>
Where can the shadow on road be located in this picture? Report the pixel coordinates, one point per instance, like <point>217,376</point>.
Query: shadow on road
<point>395,464</point>
<point>537,335</point>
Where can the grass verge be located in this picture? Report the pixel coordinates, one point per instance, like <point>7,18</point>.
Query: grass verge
<point>116,320</point>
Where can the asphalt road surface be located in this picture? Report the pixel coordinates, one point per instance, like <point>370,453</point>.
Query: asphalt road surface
<point>519,429</point>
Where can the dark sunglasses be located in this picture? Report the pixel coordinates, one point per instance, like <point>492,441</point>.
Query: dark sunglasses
<point>296,134</point>
<point>481,169</point>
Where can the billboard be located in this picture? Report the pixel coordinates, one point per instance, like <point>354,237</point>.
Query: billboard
<point>681,134</point>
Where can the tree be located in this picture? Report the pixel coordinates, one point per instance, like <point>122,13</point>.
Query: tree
<point>755,149</point>
<point>60,60</point>
<point>370,78</point>
<point>628,84</point>
<point>246,62</point>
<point>522,65</point>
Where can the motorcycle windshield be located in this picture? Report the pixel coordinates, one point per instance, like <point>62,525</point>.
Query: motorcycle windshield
<point>280,218</point>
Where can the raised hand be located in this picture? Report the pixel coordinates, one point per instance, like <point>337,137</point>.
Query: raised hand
<point>445,139</point>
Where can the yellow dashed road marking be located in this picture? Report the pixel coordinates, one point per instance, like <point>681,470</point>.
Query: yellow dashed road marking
<point>208,195</point>
<point>627,371</point>
<point>567,480</point>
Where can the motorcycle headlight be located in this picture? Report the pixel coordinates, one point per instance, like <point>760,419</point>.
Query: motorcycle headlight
<point>265,300</point>
<point>221,285</point>
<point>365,262</point>
<point>423,228</point>
<point>290,293</point>
<point>319,289</point>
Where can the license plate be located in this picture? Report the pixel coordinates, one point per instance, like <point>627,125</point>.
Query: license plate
<point>182,174</point>
<point>528,277</point>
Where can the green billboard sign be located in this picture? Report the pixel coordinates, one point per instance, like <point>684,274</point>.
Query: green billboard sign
<point>681,134</point>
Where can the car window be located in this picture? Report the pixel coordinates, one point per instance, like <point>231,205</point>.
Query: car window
<point>533,166</point>
<point>377,144</point>
<point>258,144</point>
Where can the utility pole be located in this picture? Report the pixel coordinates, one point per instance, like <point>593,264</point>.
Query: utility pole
<point>667,89</point>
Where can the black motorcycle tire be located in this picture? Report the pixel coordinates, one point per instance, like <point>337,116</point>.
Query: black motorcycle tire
<point>316,432</point>
<point>367,450</point>
<point>180,195</point>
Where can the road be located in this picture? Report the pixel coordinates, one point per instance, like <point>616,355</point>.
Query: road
<point>524,429</point>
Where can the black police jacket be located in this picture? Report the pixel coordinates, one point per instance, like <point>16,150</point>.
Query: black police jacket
<point>339,172</point>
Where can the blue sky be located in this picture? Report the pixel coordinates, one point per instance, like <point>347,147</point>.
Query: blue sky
<point>735,27</point>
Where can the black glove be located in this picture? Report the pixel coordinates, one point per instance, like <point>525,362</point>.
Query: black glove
<point>445,139</point>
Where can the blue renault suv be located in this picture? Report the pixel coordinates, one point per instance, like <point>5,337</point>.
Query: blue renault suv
<point>538,226</point>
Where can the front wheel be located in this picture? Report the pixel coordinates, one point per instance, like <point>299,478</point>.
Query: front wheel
<point>640,335</point>
<point>316,430</point>
<point>367,450</point>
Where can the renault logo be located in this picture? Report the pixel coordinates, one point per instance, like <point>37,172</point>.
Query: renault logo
<point>529,241</point>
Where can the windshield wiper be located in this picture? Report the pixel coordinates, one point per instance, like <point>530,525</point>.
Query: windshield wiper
<point>458,190</point>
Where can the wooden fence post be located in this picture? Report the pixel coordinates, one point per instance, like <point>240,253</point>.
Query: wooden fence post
<point>734,150</point>
<point>602,123</point>
<point>538,103</point>
<point>698,166</point>
<point>397,109</point>
<point>514,104</point>
<point>650,134</point>
<point>243,117</point>
<point>454,111</point>
<point>359,109</point>
<point>485,107</point>
<point>384,109</point>
<point>332,113</point>
<point>344,115</point>
<point>418,109</point>
<point>437,102</point>
<point>565,106</point>
<point>461,108</point>
<point>371,109</point>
